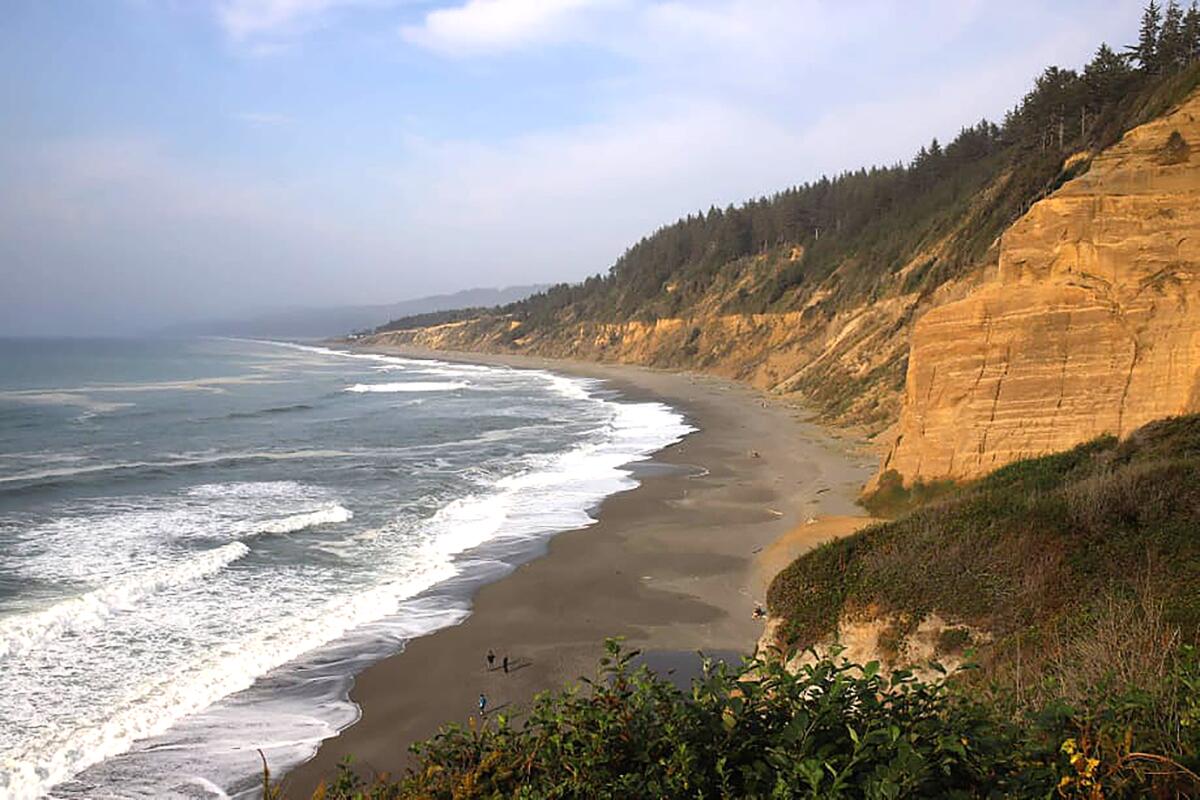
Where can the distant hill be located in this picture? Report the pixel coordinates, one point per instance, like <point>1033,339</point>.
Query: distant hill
<point>315,323</point>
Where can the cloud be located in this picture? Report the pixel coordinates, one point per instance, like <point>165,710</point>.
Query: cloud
<point>561,202</point>
<point>497,25</point>
<point>679,105</point>
<point>248,20</point>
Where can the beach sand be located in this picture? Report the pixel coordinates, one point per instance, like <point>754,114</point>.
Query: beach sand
<point>674,566</point>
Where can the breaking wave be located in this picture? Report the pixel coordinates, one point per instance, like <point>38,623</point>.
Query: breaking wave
<point>414,386</point>
<point>22,632</point>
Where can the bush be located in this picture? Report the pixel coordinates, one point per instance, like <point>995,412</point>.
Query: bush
<point>832,730</point>
<point>892,498</point>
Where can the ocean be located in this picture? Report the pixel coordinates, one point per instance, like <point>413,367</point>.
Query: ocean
<point>202,540</point>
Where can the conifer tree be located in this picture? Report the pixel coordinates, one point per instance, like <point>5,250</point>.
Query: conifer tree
<point>1191,34</point>
<point>1106,76</point>
<point>1171,48</point>
<point>1146,50</point>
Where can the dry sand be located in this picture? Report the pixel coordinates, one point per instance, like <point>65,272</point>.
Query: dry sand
<point>675,565</point>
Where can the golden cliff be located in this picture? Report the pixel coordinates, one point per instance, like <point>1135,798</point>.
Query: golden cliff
<point>846,362</point>
<point>1089,326</point>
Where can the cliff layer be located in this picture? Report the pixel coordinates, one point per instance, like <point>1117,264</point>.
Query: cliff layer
<point>846,361</point>
<point>1089,325</point>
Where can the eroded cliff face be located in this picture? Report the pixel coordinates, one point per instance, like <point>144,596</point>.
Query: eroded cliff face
<point>1089,325</point>
<point>847,362</point>
<point>893,641</point>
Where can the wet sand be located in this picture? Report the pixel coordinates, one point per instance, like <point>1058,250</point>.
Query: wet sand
<point>675,565</point>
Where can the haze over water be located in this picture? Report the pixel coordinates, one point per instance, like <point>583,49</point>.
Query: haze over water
<point>200,541</point>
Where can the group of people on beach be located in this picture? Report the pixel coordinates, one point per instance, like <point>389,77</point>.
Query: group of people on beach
<point>491,662</point>
<point>491,659</point>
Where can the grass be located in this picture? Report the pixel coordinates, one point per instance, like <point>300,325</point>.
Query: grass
<point>891,498</point>
<point>1033,553</point>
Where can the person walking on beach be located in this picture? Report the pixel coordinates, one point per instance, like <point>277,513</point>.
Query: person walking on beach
<point>491,658</point>
<point>505,664</point>
<point>482,704</point>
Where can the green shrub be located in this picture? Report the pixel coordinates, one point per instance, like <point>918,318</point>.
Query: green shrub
<point>831,730</point>
<point>891,497</point>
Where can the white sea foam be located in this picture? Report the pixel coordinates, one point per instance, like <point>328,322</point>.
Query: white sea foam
<point>64,398</point>
<point>558,492</point>
<point>22,632</point>
<point>413,386</point>
<point>183,461</point>
<point>101,541</point>
<point>331,513</point>
<point>159,699</point>
<point>176,649</point>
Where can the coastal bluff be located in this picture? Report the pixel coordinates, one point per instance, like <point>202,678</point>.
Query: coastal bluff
<point>1090,325</point>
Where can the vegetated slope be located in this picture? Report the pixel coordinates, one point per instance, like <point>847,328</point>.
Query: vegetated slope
<point>1058,571</point>
<point>814,291</point>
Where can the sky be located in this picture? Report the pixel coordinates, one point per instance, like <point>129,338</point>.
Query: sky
<point>172,160</point>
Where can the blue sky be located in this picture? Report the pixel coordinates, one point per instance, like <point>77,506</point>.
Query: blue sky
<point>177,159</point>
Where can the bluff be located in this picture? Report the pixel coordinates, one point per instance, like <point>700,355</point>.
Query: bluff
<point>1089,324</point>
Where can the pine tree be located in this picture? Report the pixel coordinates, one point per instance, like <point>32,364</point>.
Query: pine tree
<point>1106,76</point>
<point>1191,34</point>
<point>1146,50</point>
<point>1171,48</point>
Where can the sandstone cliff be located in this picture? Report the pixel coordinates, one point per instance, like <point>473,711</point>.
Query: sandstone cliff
<point>845,361</point>
<point>1089,325</point>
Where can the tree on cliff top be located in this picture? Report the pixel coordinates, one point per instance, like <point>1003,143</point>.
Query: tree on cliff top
<point>1191,33</point>
<point>1146,50</point>
<point>1172,49</point>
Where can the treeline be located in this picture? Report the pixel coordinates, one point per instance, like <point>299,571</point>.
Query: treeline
<point>431,318</point>
<point>855,233</point>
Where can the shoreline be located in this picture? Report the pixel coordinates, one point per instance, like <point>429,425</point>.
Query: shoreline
<point>676,564</point>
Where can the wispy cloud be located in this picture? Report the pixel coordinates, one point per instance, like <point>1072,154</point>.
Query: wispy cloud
<point>246,20</point>
<point>496,25</point>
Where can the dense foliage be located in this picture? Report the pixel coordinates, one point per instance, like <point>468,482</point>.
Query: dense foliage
<point>890,229</point>
<point>830,730</point>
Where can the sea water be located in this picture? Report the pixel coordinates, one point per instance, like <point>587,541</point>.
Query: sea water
<point>201,541</point>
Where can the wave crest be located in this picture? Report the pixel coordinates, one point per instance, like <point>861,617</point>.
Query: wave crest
<point>413,386</point>
<point>21,633</point>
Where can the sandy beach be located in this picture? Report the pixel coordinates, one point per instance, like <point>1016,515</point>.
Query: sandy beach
<point>674,566</point>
